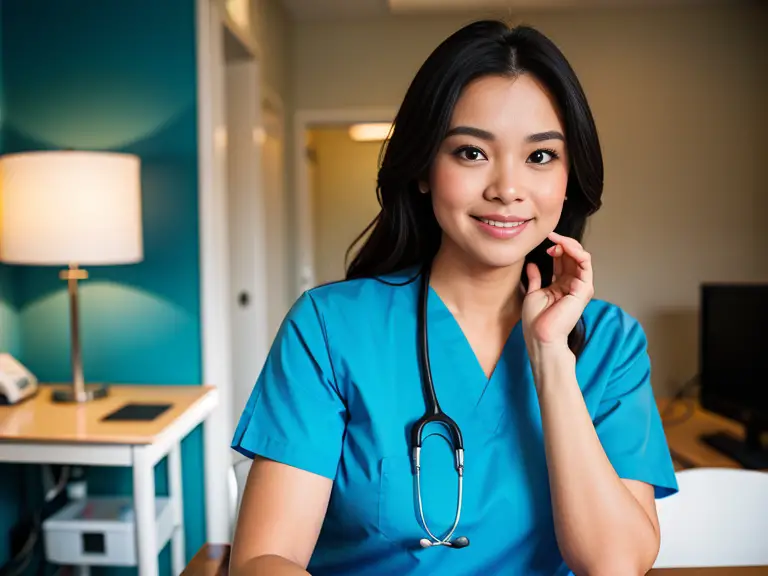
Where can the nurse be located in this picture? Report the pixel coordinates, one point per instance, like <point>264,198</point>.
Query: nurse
<point>486,184</point>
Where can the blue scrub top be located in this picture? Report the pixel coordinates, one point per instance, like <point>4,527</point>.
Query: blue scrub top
<point>341,388</point>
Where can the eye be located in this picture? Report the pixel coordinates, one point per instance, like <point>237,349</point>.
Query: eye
<point>543,156</point>
<point>470,153</point>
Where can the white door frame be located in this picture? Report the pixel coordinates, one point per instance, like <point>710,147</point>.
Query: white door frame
<point>279,290</point>
<point>215,285</point>
<point>304,120</point>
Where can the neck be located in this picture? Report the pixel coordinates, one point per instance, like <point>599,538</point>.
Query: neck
<point>476,291</point>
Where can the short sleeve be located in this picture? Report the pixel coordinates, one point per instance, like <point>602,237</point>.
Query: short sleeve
<point>628,422</point>
<point>295,414</point>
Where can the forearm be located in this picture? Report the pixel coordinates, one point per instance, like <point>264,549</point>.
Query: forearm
<point>600,526</point>
<point>268,565</point>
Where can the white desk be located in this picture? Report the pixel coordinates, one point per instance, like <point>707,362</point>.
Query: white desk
<point>39,431</point>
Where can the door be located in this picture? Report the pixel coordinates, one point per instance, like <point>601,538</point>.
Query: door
<point>247,230</point>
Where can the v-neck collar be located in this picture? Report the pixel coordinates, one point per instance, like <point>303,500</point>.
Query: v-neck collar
<point>439,311</point>
<point>463,389</point>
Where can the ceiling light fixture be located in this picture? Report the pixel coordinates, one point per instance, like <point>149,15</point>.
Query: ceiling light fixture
<point>377,131</point>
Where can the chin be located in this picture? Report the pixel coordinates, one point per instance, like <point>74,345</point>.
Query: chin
<point>502,253</point>
<point>479,251</point>
<point>502,257</point>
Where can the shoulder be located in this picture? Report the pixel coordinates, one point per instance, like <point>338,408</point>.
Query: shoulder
<point>604,318</point>
<point>615,357</point>
<point>611,330</point>
<point>348,321</point>
<point>362,301</point>
<point>367,296</point>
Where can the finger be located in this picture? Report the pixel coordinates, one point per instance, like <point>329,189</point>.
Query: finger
<point>551,252</point>
<point>564,240</point>
<point>558,238</point>
<point>577,288</point>
<point>534,277</point>
<point>571,247</point>
<point>576,259</point>
<point>556,252</point>
<point>577,266</point>
<point>558,291</point>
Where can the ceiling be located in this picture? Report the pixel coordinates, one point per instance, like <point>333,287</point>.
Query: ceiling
<point>335,9</point>
<point>351,9</point>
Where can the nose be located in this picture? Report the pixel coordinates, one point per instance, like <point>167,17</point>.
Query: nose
<point>504,187</point>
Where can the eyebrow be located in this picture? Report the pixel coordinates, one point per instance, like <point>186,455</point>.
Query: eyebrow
<point>543,136</point>
<point>489,136</point>
<point>471,131</point>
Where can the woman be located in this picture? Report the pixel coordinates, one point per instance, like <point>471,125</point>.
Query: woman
<point>491,171</point>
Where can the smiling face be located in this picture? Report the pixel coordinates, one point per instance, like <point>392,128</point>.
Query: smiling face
<point>499,178</point>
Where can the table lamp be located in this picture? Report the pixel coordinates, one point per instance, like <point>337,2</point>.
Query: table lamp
<point>71,208</point>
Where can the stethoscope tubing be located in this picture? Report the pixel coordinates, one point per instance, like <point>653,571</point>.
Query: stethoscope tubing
<point>447,538</point>
<point>434,414</point>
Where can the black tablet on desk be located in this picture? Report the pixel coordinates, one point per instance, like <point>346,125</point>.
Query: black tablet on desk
<point>136,413</point>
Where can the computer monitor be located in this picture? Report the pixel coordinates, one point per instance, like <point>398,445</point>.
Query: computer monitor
<point>733,366</point>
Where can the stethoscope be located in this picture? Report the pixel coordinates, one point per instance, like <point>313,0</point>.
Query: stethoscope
<point>432,414</point>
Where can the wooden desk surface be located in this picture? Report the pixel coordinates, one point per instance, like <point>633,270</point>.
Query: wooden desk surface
<point>213,560</point>
<point>684,423</point>
<point>39,419</point>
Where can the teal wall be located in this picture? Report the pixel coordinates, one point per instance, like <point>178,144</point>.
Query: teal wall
<point>10,339</point>
<point>9,317</point>
<point>119,76</point>
<point>9,474</point>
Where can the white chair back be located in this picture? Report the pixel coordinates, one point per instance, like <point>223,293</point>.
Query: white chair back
<point>238,474</point>
<point>718,518</point>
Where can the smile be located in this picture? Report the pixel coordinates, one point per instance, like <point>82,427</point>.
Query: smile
<point>501,229</point>
<point>499,224</point>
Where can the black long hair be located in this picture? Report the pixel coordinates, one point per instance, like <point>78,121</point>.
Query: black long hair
<point>406,233</point>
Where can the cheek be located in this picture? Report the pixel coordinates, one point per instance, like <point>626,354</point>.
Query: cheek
<point>453,187</point>
<point>550,195</point>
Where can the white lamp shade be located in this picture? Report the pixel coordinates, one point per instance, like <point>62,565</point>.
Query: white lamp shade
<point>70,207</point>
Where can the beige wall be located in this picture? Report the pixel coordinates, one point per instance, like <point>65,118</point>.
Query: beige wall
<point>680,100</point>
<point>343,177</point>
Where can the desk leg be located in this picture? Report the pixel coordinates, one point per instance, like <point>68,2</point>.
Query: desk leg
<point>177,499</point>
<point>144,508</point>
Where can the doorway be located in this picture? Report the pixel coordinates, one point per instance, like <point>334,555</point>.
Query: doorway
<point>342,181</point>
<point>335,198</point>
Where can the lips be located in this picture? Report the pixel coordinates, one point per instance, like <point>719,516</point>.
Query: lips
<point>502,227</point>
<point>498,223</point>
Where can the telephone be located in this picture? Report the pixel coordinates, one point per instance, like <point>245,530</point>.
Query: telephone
<point>16,382</point>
